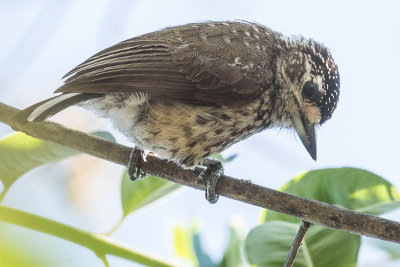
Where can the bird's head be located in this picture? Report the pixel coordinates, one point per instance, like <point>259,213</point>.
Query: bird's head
<point>307,82</point>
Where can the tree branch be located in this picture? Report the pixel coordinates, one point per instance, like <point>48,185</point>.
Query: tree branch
<point>297,242</point>
<point>315,212</point>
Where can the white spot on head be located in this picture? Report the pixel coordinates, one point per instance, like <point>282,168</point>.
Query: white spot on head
<point>246,43</point>
<point>313,49</point>
<point>234,31</point>
<point>255,29</point>
<point>247,33</point>
<point>225,23</point>
<point>211,25</point>
<point>226,39</point>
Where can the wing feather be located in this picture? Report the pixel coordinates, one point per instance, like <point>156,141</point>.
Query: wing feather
<point>167,66</point>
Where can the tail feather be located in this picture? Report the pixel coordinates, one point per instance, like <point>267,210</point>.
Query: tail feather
<point>47,108</point>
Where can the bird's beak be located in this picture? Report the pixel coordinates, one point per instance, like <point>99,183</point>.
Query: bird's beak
<point>306,132</point>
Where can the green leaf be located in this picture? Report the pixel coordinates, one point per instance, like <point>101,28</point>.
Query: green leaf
<point>137,194</point>
<point>222,159</point>
<point>20,153</point>
<point>350,188</point>
<point>183,244</point>
<point>327,247</point>
<point>188,246</point>
<point>201,255</point>
<point>233,253</point>
<point>269,244</point>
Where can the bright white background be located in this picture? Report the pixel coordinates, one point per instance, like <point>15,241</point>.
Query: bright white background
<point>42,40</point>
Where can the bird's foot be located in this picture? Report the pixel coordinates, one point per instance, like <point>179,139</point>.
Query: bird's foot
<point>212,173</point>
<point>136,159</point>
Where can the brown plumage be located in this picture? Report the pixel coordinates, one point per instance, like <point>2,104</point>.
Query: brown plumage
<point>193,63</point>
<point>190,91</point>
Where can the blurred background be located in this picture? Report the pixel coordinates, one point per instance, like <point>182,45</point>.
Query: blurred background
<point>42,40</point>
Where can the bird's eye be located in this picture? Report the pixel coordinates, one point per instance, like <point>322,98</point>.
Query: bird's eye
<point>309,90</point>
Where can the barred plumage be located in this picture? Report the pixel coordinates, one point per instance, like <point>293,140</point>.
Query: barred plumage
<point>191,91</point>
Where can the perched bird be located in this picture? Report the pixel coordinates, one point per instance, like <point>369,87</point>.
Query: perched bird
<point>191,91</point>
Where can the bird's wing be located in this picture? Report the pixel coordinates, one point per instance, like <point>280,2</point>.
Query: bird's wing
<point>185,69</point>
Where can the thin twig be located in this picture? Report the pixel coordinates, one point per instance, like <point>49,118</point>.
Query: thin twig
<point>315,212</point>
<point>297,242</point>
<point>100,244</point>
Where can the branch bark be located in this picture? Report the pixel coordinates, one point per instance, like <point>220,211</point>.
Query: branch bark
<point>312,211</point>
<point>297,242</point>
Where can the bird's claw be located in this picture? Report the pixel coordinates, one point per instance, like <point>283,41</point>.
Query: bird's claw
<point>212,173</point>
<point>136,159</point>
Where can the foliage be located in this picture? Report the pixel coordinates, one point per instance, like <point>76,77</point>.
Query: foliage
<point>350,188</point>
<point>189,247</point>
<point>20,153</point>
<point>265,245</point>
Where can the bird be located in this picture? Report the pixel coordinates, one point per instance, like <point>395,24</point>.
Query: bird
<point>191,91</point>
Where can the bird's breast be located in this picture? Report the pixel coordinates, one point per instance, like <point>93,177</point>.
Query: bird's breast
<point>177,131</point>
